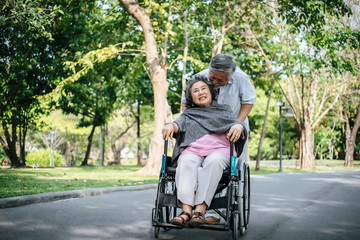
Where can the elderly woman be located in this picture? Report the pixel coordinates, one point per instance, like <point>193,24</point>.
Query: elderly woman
<point>202,149</point>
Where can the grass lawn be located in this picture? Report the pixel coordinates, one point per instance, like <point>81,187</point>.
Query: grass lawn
<point>26,181</point>
<point>272,166</point>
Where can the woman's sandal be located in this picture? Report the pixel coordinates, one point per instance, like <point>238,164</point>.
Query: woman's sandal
<point>212,220</point>
<point>197,219</point>
<point>181,221</point>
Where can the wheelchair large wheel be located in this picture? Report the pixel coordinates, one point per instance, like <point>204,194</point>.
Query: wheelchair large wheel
<point>246,196</point>
<point>237,216</point>
<point>235,225</point>
<point>237,220</point>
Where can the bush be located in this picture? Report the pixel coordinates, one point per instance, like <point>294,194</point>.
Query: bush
<point>42,157</point>
<point>4,160</point>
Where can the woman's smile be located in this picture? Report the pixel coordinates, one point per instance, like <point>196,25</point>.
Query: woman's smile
<point>201,95</point>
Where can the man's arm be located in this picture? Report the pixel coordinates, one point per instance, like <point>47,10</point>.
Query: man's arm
<point>244,112</point>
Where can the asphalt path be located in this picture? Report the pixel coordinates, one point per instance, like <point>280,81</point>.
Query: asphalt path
<point>316,206</point>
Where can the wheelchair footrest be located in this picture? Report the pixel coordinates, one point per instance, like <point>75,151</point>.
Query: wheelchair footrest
<point>217,227</point>
<point>165,225</point>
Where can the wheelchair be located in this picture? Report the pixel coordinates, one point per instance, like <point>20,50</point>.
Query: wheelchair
<point>231,200</point>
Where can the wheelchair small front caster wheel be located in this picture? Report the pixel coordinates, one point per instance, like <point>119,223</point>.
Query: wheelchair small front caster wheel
<point>156,231</point>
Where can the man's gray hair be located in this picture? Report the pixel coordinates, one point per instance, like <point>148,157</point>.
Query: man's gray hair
<point>223,63</point>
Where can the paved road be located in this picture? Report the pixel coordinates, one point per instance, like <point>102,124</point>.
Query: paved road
<point>311,206</point>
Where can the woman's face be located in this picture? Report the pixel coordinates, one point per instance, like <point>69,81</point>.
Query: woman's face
<point>200,93</point>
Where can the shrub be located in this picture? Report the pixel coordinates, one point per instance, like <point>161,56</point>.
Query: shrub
<point>42,157</point>
<point>4,160</point>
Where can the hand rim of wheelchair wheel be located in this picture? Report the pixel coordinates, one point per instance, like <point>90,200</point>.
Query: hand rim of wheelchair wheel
<point>246,195</point>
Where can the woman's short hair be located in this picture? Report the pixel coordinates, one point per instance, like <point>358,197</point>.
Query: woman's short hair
<point>197,78</point>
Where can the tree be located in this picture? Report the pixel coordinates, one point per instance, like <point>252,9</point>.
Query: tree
<point>350,115</point>
<point>350,134</point>
<point>33,38</point>
<point>351,137</point>
<point>118,132</point>
<point>93,97</point>
<point>157,76</point>
<point>74,142</point>
<point>313,83</point>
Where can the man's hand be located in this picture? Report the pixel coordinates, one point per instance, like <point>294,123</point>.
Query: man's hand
<point>235,132</point>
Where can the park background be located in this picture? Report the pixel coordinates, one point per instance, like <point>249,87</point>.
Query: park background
<point>90,82</point>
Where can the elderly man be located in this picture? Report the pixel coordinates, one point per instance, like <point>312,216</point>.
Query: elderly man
<point>234,86</point>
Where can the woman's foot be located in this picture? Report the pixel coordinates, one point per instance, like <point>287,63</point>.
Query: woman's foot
<point>182,220</point>
<point>197,219</point>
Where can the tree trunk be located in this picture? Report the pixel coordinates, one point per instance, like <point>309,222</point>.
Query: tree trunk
<point>153,165</point>
<point>68,157</point>
<point>257,167</point>
<point>350,138</point>
<point>306,160</point>
<point>158,79</point>
<point>22,141</point>
<point>23,127</point>
<point>102,145</point>
<point>138,138</point>
<point>117,151</point>
<point>9,146</point>
<point>116,148</point>
<point>186,49</point>
<point>67,149</point>
<point>90,137</point>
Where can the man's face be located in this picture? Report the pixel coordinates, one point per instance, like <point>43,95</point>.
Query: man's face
<point>219,78</point>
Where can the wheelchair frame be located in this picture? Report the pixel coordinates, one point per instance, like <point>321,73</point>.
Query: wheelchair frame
<point>232,197</point>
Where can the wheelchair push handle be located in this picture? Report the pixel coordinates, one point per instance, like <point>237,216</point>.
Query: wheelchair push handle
<point>232,160</point>
<point>232,149</point>
<point>166,147</point>
<point>163,163</point>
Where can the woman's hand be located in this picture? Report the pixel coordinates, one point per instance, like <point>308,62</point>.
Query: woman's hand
<point>235,132</point>
<point>169,130</point>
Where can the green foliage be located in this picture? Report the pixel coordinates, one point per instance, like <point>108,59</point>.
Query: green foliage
<point>35,37</point>
<point>74,138</point>
<point>63,123</point>
<point>311,14</point>
<point>270,146</point>
<point>319,24</point>
<point>92,52</point>
<point>92,96</point>
<point>42,157</point>
<point>4,160</point>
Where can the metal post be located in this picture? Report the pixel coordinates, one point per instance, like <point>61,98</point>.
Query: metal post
<point>49,138</point>
<point>280,139</point>
<point>52,149</point>
<point>101,145</point>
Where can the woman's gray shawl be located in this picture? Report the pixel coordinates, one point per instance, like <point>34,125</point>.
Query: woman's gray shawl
<point>196,122</point>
